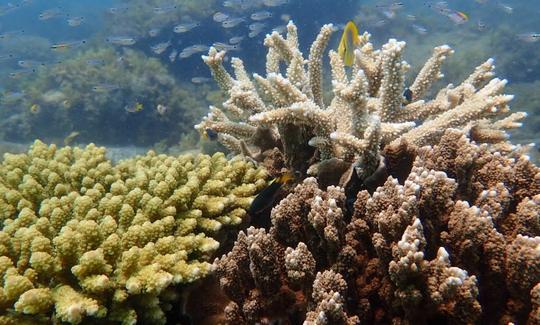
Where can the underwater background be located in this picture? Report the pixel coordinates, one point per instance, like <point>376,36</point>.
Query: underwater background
<point>128,74</point>
<point>417,212</point>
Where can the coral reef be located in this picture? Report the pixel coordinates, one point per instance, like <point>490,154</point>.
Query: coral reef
<point>436,221</point>
<point>286,109</point>
<point>89,93</point>
<point>85,240</point>
<point>457,242</point>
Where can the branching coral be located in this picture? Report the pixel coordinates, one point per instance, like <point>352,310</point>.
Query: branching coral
<point>457,242</point>
<point>368,109</point>
<point>82,239</point>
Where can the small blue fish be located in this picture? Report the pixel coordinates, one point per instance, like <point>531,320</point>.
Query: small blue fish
<point>408,96</point>
<point>210,134</point>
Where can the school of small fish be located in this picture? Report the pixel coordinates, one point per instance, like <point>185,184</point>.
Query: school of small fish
<point>239,22</point>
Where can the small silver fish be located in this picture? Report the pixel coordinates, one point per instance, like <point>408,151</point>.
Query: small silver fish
<point>254,33</point>
<point>200,80</point>
<point>172,55</point>
<point>275,3</point>
<point>161,109</point>
<point>50,13</point>
<point>121,40</point>
<point>28,64</point>
<point>198,48</point>
<point>9,7</point>
<point>75,21</point>
<point>160,47</point>
<point>67,45</point>
<point>506,8</point>
<point>19,73</point>
<point>480,25</point>
<point>186,54</point>
<point>164,9</point>
<point>256,26</point>
<point>261,15</point>
<point>420,29</point>
<point>95,62</point>
<point>232,22</point>
<point>5,57</point>
<point>236,39</point>
<point>186,27</point>
<point>102,88</point>
<point>529,37</point>
<point>280,29</point>
<point>117,10</point>
<point>10,34</point>
<point>225,47</point>
<point>13,96</point>
<point>153,32</point>
<point>220,17</point>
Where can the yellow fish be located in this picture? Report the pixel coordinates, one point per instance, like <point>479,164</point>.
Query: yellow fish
<point>349,41</point>
<point>137,107</point>
<point>34,108</point>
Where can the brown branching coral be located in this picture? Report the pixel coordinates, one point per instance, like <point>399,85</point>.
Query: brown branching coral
<point>433,249</point>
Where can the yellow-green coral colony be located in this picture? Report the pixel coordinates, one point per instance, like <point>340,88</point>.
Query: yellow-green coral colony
<point>83,239</point>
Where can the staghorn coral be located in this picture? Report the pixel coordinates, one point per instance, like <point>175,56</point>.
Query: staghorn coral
<point>456,242</point>
<point>366,113</point>
<point>83,240</point>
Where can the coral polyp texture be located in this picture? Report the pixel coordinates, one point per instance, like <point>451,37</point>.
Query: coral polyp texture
<point>286,109</point>
<point>458,242</point>
<point>83,240</point>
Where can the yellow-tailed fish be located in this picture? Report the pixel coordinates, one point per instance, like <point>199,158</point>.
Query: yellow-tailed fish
<point>266,197</point>
<point>349,41</point>
<point>135,108</point>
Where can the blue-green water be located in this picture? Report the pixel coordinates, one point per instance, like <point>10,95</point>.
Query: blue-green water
<point>63,74</point>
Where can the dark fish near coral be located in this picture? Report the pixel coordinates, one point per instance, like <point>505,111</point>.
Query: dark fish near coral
<point>210,134</point>
<point>407,96</point>
<point>266,197</point>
